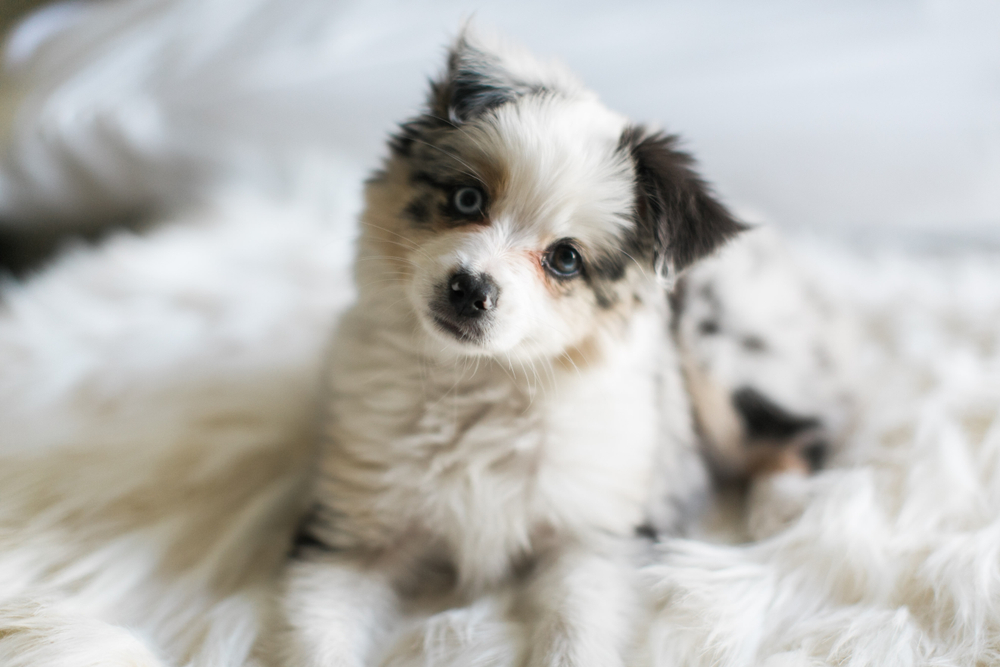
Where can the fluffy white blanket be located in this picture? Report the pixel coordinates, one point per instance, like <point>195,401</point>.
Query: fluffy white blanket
<point>156,402</point>
<point>151,376</point>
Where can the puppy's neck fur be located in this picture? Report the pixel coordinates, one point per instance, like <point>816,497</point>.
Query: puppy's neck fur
<point>481,461</point>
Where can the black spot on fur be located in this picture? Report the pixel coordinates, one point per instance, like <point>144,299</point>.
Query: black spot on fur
<point>815,454</point>
<point>418,131</point>
<point>427,178</point>
<point>601,272</point>
<point>413,132</point>
<point>678,219</point>
<point>708,327</point>
<point>645,531</point>
<point>419,210</point>
<point>610,267</point>
<point>753,344</point>
<point>764,419</point>
<point>707,293</point>
<point>606,298</point>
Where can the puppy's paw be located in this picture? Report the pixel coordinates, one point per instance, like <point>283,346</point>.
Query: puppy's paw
<point>558,649</point>
<point>336,609</point>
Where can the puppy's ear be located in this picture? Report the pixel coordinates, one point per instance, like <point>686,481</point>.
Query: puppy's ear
<point>676,212</point>
<point>475,82</point>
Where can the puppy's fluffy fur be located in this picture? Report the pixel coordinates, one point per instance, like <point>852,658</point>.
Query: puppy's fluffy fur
<point>506,402</point>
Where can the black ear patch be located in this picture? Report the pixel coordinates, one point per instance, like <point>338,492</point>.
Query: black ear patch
<point>476,81</point>
<point>676,211</point>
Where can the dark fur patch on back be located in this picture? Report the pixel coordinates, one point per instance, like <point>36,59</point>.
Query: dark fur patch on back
<point>765,419</point>
<point>678,218</point>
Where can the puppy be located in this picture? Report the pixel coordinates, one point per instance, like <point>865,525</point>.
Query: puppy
<point>506,403</point>
<point>767,359</point>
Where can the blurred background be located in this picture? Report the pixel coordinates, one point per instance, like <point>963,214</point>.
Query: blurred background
<point>875,121</point>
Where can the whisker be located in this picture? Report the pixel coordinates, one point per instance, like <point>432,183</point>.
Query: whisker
<point>412,244</point>
<point>637,263</point>
<point>445,120</point>
<point>408,245</point>
<point>471,171</point>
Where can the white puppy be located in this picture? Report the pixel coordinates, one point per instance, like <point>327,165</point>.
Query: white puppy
<point>506,404</point>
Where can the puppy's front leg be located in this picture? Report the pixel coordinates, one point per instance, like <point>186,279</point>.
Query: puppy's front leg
<point>336,608</point>
<point>584,607</point>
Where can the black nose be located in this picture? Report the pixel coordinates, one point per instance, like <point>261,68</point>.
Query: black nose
<point>472,296</point>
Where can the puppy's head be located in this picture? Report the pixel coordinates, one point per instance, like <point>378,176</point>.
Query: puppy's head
<point>523,218</point>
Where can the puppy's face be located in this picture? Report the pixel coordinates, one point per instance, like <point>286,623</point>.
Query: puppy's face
<point>522,218</point>
<point>513,227</point>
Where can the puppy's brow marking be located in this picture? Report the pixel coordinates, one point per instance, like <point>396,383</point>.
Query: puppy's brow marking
<point>470,170</point>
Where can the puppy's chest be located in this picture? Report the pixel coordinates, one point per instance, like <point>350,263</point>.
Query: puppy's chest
<point>487,464</point>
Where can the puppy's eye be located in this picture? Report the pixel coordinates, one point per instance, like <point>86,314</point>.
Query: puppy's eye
<point>468,201</point>
<point>563,260</point>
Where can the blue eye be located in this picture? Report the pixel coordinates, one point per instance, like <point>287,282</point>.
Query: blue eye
<point>468,201</point>
<point>563,260</point>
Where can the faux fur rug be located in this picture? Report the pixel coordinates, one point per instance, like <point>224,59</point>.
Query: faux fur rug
<point>173,373</point>
<point>149,370</point>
